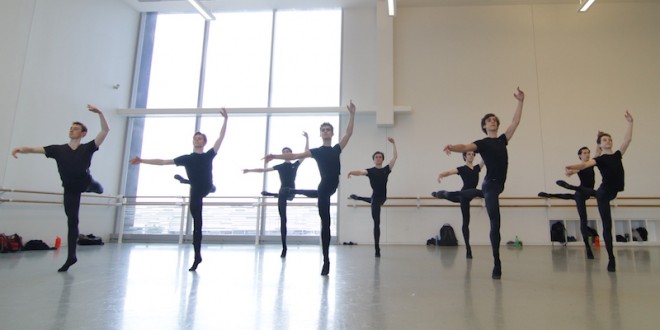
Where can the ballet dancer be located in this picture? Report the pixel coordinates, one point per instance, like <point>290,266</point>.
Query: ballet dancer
<point>199,168</point>
<point>328,161</point>
<point>287,172</point>
<point>73,161</point>
<point>582,193</point>
<point>469,173</point>
<point>613,180</point>
<point>378,180</point>
<point>494,153</point>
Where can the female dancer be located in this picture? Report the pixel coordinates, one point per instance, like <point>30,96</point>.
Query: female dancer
<point>470,175</point>
<point>378,180</point>
<point>611,170</point>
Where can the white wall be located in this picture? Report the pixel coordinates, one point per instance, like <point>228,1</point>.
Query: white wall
<point>580,73</point>
<point>59,56</point>
<point>451,65</point>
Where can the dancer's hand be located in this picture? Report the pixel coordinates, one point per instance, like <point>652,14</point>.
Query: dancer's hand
<point>629,117</point>
<point>351,107</point>
<point>93,109</point>
<point>447,149</point>
<point>519,95</point>
<point>135,160</point>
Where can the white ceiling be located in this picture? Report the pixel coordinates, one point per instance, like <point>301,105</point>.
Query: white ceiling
<point>230,5</point>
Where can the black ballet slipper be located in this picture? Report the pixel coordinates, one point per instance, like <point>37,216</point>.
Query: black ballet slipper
<point>94,187</point>
<point>377,252</point>
<point>195,264</point>
<point>468,254</point>
<point>67,264</point>
<point>611,266</point>
<point>565,185</point>
<point>326,268</point>
<point>283,255</point>
<point>590,254</point>
<point>497,271</point>
<point>544,195</point>
<point>181,179</point>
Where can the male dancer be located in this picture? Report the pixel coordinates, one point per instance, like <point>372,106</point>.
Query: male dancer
<point>327,159</point>
<point>73,162</point>
<point>470,175</point>
<point>582,193</point>
<point>378,180</point>
<point>611,170</point>
<point>199,167</point>
<point>287,172</point>
<point>494,153</point>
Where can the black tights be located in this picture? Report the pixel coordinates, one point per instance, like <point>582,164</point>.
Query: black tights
<point>196,202</point>
<point>464,197</point>
<point>376,205</point>
<point>582,194</point>
<point>603,197</point>
<point>71,209</point>
<point>492,191</point>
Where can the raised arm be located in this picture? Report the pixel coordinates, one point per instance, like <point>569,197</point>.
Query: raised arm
<point>628,137</point>
<point>349,128</point>
<point>137,160</point>
<point>447,173</point>
<point>572,169</point>
<point>105,129</point>
<point>306,144</point>
<point>448,149</point>
<point>395,155</point>
<point>27,150</point>
<point>520,96</point>
<point>357,172</point>
<point>218,142</point>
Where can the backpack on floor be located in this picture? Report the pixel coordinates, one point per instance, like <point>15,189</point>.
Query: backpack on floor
<point>11,243</point>
<point>447,236</point>
<point>558,232</point>
<point>36,244</point>
<point>89,240</point>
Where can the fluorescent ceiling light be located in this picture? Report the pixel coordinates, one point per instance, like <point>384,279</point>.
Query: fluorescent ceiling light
<point>585,4</point>
<point>202,10</point>
<point>391,7</point>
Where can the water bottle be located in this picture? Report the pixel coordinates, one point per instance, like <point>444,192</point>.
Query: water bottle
<point>517,242</point>
<point>58,243</point>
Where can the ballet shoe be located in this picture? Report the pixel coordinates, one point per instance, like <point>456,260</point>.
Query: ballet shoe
<point>564,184</point>
<point>611,266</point>
<point>434,194</point>
<point>212,190</point>
<point>195,264</point>
<point>94,187</point>
<point>326,268</point>
<point>353,196</point>
<point>67,264</point>
<point>378,253</point>
<point>468,254</point>
<point>497,270</point>
<point>440,194</point>
<point>544,195</point>
<point>283,255</point>
<point>181,179</point>
<point>590,254</point>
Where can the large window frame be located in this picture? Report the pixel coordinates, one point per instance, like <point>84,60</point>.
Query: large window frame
<point>265,219</point>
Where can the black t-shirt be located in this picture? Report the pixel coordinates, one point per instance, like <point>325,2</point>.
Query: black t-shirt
<point>611,170</point>
<point>469,175</point>
<point>199,168</point>
<point>327,159</point>
<point>73,165</point>
<point>587,177</point>
<point>378,180</point>
<point>493,152</point>
<point>287,172</point>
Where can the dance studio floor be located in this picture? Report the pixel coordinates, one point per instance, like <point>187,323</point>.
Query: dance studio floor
<point>148,286</point>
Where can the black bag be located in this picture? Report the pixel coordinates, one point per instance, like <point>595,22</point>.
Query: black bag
<point>558,232</point>
<point>447,236</point>
<point>36,244</point>
<point>643,233</point>
<point>591,232</point>
<point>89,240</point>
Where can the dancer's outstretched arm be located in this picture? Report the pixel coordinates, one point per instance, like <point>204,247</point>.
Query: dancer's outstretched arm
<point>105,129</point>
<point>290,156</point>
<point>447,173</point>
<point>628,137</point>
<point>349,128</point>
<point>520,96</point>
<point>395,155</point>
<point>27,150</point>
<point>257,170</point>
<point>572,169</point>
<point>218,142</point>
<point>137,160</point>
<point>357,172</point>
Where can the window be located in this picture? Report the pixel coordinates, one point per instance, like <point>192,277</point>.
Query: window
<point>238,70</point>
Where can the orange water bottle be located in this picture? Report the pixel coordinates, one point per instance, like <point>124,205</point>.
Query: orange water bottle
<point>58,243</point>
<point>596,242</point>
